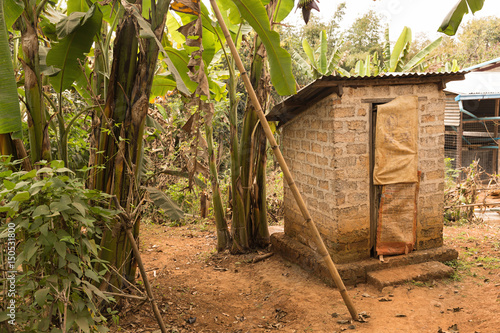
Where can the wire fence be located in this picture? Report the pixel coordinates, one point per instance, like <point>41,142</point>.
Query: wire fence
<point>477,140</point>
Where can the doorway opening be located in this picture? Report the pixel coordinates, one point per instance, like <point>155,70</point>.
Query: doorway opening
<point>375,190</point>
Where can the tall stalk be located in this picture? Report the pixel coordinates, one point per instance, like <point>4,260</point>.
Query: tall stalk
<point>119,137</point>
<point>200,99</point>
<point>27,23</point>
<point>223,238</point>
<point>240,238</point>
<point>251,150</point>
<point>260,230</point>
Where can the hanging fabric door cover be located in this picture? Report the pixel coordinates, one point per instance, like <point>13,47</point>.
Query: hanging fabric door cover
<point>396,163</point>
<point>396,142</point>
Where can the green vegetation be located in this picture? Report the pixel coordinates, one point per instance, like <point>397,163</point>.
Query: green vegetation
<point>61,224</point>
<point>138,103</point>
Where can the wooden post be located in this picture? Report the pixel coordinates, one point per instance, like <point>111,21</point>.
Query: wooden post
<point>460,133</point>
<point>286,172</point>
<point>496,154</point>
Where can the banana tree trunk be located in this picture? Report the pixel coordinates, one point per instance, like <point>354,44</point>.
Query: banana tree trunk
<point>239,234</point>
<point>37,122</point>
<point>223,237</point>
<point>253,197</point>
<point>260,236</point>
<point>121,124</point>
<point>6,145</point>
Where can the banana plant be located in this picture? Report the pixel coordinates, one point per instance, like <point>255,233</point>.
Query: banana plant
<point>316,64</point>
<point>397,59</point>
<point>451,66</point>
<point>119,126</point>
<point>199,38</point>
<point>25,18</point>
<point>75,36</point>
<point>280,62</point>
<point>249,188</point>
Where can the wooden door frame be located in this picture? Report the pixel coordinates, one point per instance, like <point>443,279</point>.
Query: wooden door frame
<point>373,189</point>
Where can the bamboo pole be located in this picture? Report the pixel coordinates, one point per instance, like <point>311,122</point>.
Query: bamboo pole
<point>125,219</point>
<point>496,155</point>
<point>284,167</point>
<point>145,279</point>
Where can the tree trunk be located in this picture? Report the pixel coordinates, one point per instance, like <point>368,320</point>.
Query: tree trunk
<point>238,228</point>
<point>37,122</point>
<point>120,128</point>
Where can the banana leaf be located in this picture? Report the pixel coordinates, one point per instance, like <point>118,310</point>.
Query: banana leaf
<point>78,33</point>
<point>208,40</point>
<point>302,64</point>
<point>280,61</point>
<point>360,68</point>
<point>12,9</point>
<point>452,21</point>
<point>231,9</point>
<point>10,113</point>
<point>77,6</point>
<point>172,26</point>
<point>333,63</point>
<point>400,48</point>
<point>367,69</point>
<point>309,53</point>
<point>283,9</point>
<point>177,61</point>
<point>162,201</point>
<point>420,56</point>
<point>161,85</point>
<point>323,65</point>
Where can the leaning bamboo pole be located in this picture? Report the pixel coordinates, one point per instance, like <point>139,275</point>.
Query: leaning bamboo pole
<point>284,167</point>
<point>127,226</point>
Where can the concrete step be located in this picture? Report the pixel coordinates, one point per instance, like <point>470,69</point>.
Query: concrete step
<point>426,271</point>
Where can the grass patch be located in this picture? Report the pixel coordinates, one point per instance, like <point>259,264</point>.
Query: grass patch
<point>419,283</point>
<point>462,268</point>
<point>489,262</point>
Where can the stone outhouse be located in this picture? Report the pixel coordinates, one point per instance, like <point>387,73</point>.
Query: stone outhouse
<point>329,136</point>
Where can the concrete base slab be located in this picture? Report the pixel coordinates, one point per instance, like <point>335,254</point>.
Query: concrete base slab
<point>355,272</point>
<point>426,271</point>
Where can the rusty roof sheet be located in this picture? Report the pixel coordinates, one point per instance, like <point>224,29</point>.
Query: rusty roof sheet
<point>327,85</point>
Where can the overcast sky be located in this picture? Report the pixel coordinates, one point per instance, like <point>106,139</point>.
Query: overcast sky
<point>420,15</point>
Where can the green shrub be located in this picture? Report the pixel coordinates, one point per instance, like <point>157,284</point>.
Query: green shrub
<point>57,225</point>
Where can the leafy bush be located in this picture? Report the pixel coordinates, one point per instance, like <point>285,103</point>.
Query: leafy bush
<point>57,224</point>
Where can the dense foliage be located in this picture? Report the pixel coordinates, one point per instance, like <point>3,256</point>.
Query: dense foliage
<point>61,224</point>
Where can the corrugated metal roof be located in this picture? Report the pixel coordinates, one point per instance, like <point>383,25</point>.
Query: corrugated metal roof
<point>483,66</point>
<point>479,84</point>
<point>327,85</point>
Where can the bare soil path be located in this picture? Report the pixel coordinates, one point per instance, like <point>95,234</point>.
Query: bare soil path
<point>199,290</point>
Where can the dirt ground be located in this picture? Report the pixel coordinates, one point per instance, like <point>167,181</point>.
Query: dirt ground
<point>199,290</point>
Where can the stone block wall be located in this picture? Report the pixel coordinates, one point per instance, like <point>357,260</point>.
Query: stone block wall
<point>327,148</point>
